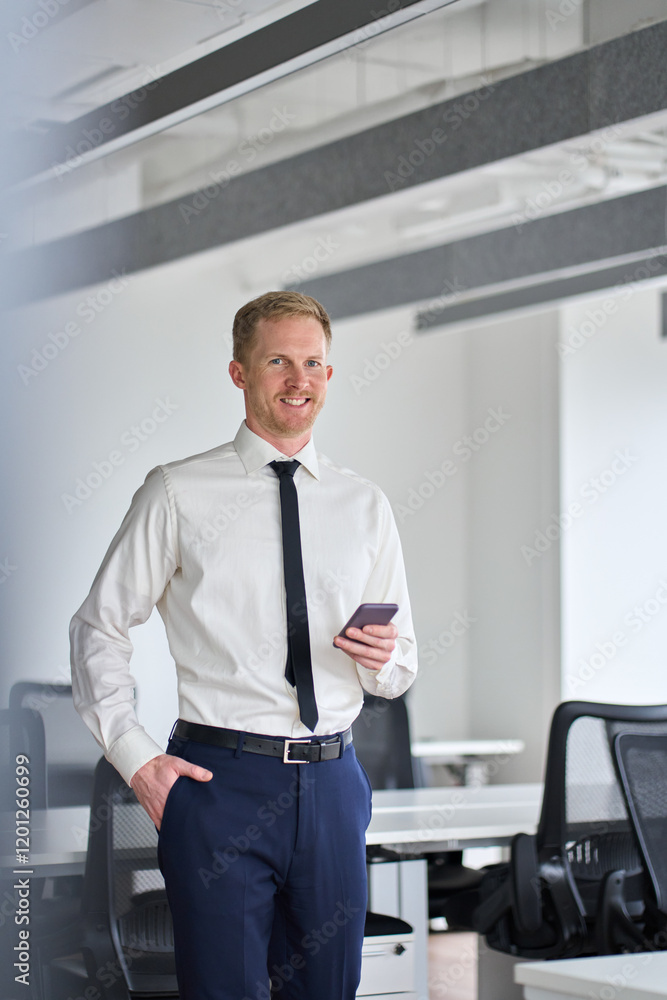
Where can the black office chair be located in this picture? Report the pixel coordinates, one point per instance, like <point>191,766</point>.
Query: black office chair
<point>122,944</point>
<point>22,757</point>
<point>579,885</point>
<point>71,750</point>
<point>381,735</point>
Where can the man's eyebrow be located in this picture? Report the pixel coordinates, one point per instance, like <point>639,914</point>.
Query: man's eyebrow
<point>282,354</point>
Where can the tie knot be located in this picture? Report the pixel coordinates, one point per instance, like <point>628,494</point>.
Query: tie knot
<point>285,468</point>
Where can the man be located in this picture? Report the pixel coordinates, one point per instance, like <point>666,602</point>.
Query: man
<point>263,857</point>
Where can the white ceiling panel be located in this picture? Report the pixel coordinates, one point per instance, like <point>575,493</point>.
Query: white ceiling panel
<point>135,33</point>
<point>108,48</point>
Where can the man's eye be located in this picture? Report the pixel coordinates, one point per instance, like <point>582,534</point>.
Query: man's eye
<point>314,363</point>
<point>275,361</point>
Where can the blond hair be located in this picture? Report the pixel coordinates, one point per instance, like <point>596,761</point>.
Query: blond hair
<point>273,305</point>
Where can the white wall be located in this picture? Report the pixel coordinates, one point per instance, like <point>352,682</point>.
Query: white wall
<point>158,338</point>
<point>614,462</point>
<point>462,433</point>
<point>513,490</point>
<point>395,419</point>
<point>481,540</point>
<point>164,335</point>
<point>398,411</point>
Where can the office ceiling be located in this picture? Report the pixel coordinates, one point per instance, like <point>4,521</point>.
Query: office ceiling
<point>103,49</point>
<point>93,51</point>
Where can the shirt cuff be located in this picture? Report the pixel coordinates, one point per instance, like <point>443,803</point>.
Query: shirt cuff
<point>131,751</point>
<point>383,678</point>
<point>395,676</point>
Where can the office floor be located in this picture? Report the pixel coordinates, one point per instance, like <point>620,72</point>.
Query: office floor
<point>452,966</point>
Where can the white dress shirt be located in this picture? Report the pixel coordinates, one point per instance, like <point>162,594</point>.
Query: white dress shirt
<point>202,541</point>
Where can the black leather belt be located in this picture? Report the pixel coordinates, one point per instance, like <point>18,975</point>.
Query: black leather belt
<point>291,751</point>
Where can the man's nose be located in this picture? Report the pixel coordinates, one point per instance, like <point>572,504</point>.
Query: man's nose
<point>297,377</point>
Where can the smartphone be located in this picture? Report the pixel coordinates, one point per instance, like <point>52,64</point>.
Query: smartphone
<point>369,614</point>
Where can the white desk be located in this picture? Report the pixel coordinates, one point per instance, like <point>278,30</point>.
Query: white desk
<point>410,820</point>
<point>473,761</point>
<point>449,819</point>
<point>641,976</point>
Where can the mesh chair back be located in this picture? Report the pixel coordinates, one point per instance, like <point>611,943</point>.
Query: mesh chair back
<point>71,750</point>
<point>642,759</point>
<point>582,789</point>
<point>592,790</point>
<point>381,736</point>
<point>134,853</point>
<point>123,881</point>
<point>584,811</point>
<point>598,835</point>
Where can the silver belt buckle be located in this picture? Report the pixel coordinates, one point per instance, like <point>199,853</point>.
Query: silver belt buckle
<point>286,757</point>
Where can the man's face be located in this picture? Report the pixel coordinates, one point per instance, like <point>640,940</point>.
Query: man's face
<point>285,378</point>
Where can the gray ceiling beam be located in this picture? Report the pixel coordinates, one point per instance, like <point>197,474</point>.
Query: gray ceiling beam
<point>529,295</point>
<point>530,259</point>
<point>608,84</point>
<point>303,34</point>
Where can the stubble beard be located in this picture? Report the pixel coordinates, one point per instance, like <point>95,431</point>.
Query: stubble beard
<point>271,419</point>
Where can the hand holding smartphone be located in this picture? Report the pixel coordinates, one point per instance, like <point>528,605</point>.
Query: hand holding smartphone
<point>369,614</point>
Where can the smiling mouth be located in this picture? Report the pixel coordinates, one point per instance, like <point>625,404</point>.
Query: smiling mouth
<point>295,402</point>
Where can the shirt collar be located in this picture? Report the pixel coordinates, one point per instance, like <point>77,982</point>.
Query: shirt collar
<point>255,452</point>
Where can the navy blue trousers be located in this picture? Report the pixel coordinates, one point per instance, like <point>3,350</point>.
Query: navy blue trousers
<point>265,870</point>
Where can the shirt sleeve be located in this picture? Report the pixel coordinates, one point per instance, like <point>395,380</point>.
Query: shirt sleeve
<point>387,584</point>
<point>135,571</point>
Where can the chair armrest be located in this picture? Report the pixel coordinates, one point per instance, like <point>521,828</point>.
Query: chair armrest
<point>525,886</point>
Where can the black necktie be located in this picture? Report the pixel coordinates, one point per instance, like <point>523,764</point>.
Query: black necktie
<point>299,668</point>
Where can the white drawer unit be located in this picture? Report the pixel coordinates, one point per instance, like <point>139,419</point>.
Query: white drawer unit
<point>397,917</point>
<point>388,967</point>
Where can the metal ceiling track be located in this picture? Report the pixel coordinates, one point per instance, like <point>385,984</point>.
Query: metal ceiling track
<point>620,242</point>
<point>584,94</point>
<point>276,50</point>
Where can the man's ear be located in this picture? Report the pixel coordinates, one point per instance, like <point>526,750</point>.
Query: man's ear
<point>236,374</point>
